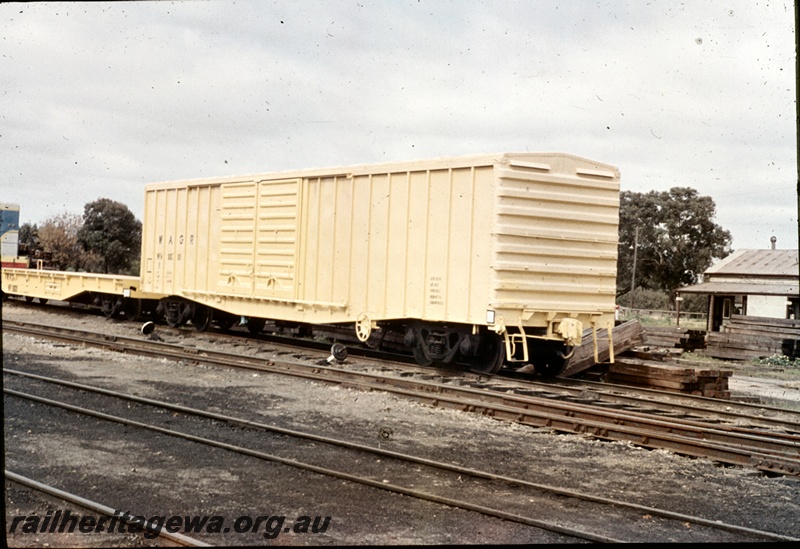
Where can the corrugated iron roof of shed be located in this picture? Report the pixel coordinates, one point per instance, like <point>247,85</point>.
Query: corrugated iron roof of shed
<point>757,263</point>
<point>741,288</point>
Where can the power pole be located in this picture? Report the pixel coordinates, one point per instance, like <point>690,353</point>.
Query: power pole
<point>797,114</point>
<point>633,271</point>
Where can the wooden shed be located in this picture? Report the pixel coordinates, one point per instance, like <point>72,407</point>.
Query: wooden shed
<point>760,283</point>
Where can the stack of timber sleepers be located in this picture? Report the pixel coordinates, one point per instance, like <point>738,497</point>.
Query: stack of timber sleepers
<point>747,337</point>
<point>693,340</point>
<point>674,338</point>
<point>708,382</point>
<point>667,337</point>
<point>625,336</point>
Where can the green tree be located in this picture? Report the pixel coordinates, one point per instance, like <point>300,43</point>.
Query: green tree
<point>112,233</point>
<point>58,238</point>
<point>28,239</point>
<point>677,239</point>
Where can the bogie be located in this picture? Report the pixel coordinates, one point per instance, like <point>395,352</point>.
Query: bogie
<point>176,311</point>
<point>255,325</point>
<point>202,317</point>
<point>111,305</point>
<point>481,350</point>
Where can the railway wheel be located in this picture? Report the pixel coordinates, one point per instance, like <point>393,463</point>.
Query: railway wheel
<point>255,324</point>
<point>202,317</point>
<point>225,321</point>
<point>548,361</point>
<point>132,308</point>
<point>29,299</point>
<point>111,305</point>
<point>490,354</point>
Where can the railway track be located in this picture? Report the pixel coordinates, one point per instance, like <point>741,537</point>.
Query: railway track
<point>102,509</point>
<point>712,409</point>
<point>501,496</point>
<point>768,444</point>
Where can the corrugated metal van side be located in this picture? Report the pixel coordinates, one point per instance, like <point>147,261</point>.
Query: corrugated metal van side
<point>555,237</point>
<point>532,235</point>
<point>179,238</point>
<point>409,244</point>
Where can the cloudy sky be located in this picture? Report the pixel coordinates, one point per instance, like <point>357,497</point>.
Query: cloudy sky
<point>99,99</point>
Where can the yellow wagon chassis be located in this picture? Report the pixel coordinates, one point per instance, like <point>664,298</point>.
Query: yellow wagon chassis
<point>69,286</point>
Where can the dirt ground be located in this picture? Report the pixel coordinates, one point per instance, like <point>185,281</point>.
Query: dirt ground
<point>160,475</point>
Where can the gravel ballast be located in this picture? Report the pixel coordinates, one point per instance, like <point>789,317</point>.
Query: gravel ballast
<point>139,472</point>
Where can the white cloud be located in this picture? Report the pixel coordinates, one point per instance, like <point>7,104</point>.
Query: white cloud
<point>99,99</point>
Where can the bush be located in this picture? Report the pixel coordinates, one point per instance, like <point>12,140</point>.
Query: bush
<point>695,303</point>
<point>779,360</point>
<point>646,299</point>
<point>659,301</point>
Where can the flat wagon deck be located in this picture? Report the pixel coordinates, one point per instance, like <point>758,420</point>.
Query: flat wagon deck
<point>112,293</point>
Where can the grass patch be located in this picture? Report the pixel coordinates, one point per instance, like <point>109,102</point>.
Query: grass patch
<point>661,322</point>
<point>689,355</point>
<point>778,360</point>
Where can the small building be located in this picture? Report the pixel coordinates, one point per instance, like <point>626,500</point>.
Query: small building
<point>761,283</point>
<point>9,237</point>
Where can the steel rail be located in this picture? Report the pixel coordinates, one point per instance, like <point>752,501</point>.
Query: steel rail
<point>770,441</point>
<point>673,404</point>
<point>99,508</point>
<point>729,410</point>
<point>756,449</point>
<point>389,487</point>
<point>405,457</point>
<point>607,393</point>
<point>648,432</point>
